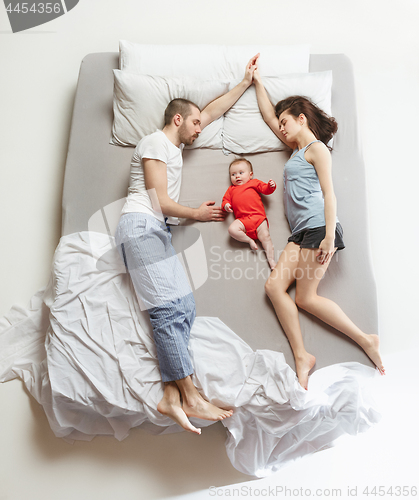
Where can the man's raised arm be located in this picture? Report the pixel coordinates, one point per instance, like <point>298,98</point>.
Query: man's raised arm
<point>219,106</point>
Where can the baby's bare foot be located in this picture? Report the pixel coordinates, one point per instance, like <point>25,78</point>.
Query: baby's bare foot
<point>253,245</point>
<point>372,349</point>
<point>303,366</point>
<point>199,408</point>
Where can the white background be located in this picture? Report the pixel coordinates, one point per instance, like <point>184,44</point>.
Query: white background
<point>39,70</point>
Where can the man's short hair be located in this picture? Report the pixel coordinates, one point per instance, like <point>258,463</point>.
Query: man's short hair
<point>183,107</point>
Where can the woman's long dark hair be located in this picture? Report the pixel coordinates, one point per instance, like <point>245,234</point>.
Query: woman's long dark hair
<point>323,126</point>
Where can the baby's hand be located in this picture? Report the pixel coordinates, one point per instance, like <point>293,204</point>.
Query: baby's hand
<point>271,183</point>
<point>227,207</point>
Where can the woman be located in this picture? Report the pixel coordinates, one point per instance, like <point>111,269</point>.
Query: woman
<point>310,207</point>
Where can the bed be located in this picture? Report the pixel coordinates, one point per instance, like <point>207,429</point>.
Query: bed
<point>97,175</point>
<point>246,345</point>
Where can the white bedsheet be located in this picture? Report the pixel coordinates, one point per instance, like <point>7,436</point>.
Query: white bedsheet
<point>85,352</point>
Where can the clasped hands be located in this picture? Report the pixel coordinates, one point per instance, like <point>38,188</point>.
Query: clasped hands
<point>251,67</point>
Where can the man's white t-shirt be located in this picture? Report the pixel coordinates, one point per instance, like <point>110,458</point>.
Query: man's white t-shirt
<point>155,146</point>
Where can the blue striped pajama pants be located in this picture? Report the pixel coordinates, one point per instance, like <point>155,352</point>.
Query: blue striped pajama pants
<point>144,244</point>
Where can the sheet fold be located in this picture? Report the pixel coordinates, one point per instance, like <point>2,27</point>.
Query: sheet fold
<point>84,349</point>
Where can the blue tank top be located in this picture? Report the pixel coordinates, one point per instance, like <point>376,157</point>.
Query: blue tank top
<point>303,196</point>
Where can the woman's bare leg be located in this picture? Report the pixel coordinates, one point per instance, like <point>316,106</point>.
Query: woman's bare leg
<point>282,276</point>
<point>238,232</point>
<point>308,279</point>
<point>265,238</point>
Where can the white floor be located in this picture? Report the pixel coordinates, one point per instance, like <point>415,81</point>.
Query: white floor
<point>385,456</point>
<point>196,467</point>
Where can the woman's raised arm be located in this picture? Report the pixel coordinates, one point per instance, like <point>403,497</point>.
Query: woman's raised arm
<point>267,110</point>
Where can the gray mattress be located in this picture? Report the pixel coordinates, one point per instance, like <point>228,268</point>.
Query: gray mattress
<point>97,175</point>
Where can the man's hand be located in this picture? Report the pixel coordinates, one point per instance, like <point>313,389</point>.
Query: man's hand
<point>208,212</point>
<point>250,68</point>
<point>227,207</point>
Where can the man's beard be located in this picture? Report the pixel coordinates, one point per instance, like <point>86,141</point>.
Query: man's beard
<point>186,138</point>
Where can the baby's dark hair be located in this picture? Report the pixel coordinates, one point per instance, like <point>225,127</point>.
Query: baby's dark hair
<point>238,160</point>
<point>323,126</point>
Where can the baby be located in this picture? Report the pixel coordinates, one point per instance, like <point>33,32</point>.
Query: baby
<point>244,200</point>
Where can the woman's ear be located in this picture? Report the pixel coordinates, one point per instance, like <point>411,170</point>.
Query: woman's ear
<point>303,119</point>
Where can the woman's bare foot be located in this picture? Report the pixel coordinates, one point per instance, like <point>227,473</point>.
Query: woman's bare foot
<point>303,366</point>
<point>372,349</point>
<point>197,407</point>
<point>253,245</point>
<point>170,406</point>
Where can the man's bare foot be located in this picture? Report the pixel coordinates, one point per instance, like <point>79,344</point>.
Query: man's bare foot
<point>303,366</point>
<point>253,245</point>
<point>372,349</point>
<point>170,406</point>
<point>197,407</point>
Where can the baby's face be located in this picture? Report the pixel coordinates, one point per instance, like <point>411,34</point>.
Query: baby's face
<point>240,173</point>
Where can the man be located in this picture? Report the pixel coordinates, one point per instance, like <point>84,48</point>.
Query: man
<point>144,242</point>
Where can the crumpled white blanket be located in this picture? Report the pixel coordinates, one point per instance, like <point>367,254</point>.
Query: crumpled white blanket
<point>85,352</point>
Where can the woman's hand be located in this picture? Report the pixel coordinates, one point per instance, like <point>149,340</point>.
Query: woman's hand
<point>256,75</point>
<point>250,68</point>
<point>326,250</point>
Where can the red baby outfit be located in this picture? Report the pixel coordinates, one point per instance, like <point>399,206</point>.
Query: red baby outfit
<point>247,204</point>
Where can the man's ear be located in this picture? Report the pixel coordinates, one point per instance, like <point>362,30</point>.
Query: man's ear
<point>178,119</point>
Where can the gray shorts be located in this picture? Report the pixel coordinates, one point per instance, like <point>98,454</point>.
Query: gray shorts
<point>312,237</point>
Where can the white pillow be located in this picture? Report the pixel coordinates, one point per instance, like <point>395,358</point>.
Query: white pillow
<point>140,100</point>
<point>211,62</point>
<point>244,129</point>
